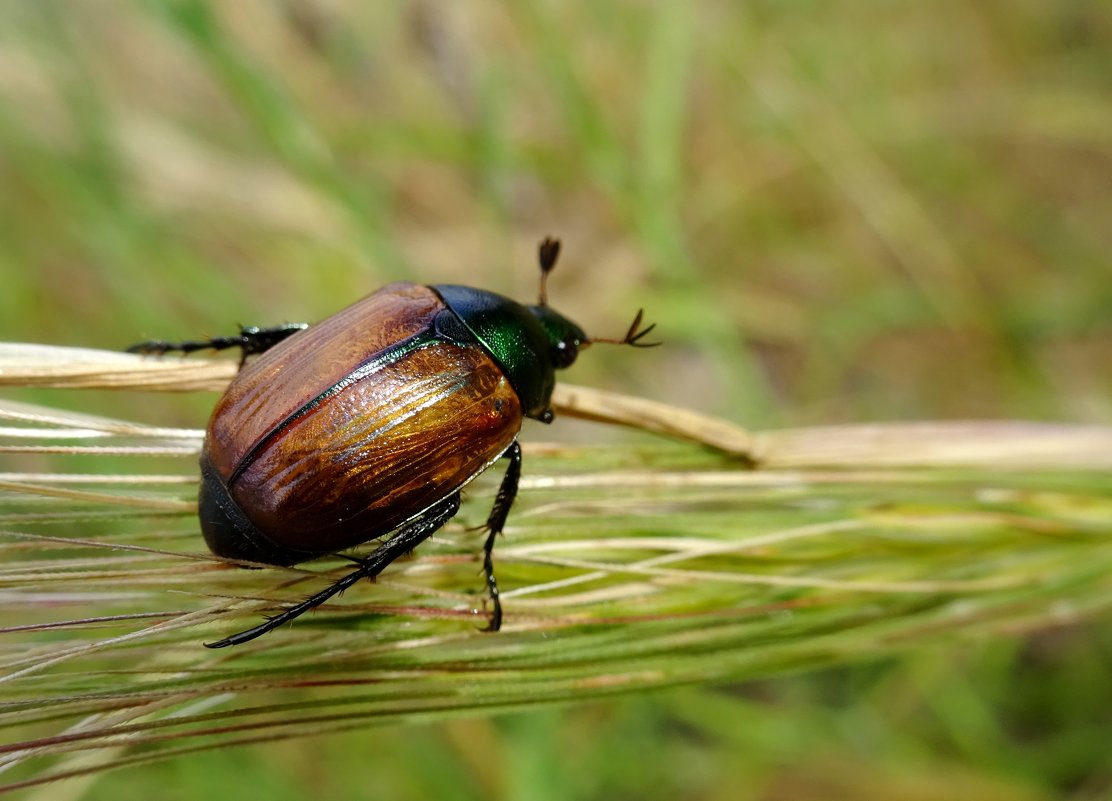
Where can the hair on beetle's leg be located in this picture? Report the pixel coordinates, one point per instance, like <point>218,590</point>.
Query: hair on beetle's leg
<point>405,540</point>
<point>507,492</point>
<point>251,340</point>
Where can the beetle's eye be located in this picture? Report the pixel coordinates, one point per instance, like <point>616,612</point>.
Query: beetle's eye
<point>563,354</point>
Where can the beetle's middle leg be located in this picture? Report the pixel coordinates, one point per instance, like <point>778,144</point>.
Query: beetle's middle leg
<point>251,340</point>
<point>507,492</point>
<point>405,540</point>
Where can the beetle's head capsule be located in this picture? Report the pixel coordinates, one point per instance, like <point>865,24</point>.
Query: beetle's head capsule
<point>565,338</point>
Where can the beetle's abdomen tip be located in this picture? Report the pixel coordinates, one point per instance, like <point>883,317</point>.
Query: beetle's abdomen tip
<point>227,530</point>
<point>223,536</point>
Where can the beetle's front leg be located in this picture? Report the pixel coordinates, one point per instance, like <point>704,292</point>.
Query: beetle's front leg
<point>507,492</point>
<point>251,340</point>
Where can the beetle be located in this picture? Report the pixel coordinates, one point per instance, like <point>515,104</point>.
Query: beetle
<point>371,422</point>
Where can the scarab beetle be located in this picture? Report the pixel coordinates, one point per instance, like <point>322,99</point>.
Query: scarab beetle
<point>372,421</point>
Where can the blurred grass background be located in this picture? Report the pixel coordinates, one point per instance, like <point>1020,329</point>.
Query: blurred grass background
<point>866,211</point>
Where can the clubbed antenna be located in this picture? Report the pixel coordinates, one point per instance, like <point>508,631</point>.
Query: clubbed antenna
<point>547,253</point>
<point>633,336</point>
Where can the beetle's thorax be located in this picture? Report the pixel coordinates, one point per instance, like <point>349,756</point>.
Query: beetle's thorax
<point>528,346</point>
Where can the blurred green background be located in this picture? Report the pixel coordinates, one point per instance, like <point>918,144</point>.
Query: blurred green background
<point>834,212</point>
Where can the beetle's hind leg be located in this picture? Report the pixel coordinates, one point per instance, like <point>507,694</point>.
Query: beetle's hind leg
<point>507,492</point>
<point>405,540</point>
<point>250,340</point>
